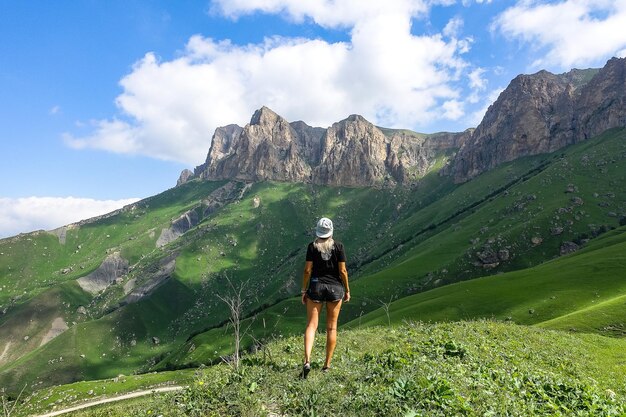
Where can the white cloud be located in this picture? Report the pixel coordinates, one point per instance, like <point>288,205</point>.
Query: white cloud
<point>453,27</point>
<point>572,32</point>
<point>54,110</point>
<point>453,109</point>
<point>170,108</point>
<point>334,13</point>
<point>477,81</point>
<point>18,215</point>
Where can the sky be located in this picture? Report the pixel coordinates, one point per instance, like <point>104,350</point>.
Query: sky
<point>103,102</point>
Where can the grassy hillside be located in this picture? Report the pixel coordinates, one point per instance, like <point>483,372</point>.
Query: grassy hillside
<point>64,396</point>
<point>241,241</point>
<point>466,368</point>
<point>400,242</point>
<point>525,210</point>
<point>580,291</point>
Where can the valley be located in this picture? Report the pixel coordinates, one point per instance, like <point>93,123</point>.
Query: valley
<point>534,245</point>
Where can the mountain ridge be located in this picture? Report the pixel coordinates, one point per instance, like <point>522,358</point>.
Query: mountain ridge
<point>544,112</point>
<point>537,113</point>
<point>351,152</point>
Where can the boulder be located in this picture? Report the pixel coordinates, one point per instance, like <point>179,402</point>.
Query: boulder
<point>577,201</point>
<point>568,247</point>
<point>487,256</point>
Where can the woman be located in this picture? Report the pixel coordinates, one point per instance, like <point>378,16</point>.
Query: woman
<point>325,279</point>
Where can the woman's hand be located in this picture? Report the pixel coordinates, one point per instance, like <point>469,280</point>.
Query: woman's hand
<point>303,298</point>
<point>346,297</point>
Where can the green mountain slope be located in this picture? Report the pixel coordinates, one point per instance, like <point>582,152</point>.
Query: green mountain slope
<point>525,210</point>
<point>249,236</point>
<point>582,291</point>
<point>400,242</point>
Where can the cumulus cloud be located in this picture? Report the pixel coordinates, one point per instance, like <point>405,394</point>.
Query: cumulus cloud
<point>386,72</point>
<point>453,27</point>
<point>18,215</point>
<point>568,33</point>
<point>342,13</point>
<point>477,81</point>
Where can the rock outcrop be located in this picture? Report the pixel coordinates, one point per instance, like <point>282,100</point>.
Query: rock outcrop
<point>267,148</point>
<point>352,152</point>
<point>223,195</point>
<point>602,101</point>
<point>112,268</point>
<point>544,112</point>
<point>57,327</point>
<point>185,175</point>
<point>154,281</point>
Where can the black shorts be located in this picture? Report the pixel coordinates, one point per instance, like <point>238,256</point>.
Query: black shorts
<point>319,292</point>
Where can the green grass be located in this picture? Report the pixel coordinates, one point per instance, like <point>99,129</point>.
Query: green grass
<point>400,242</point>
<point>31,263</point>
<point>578,291</point>
<point>65,396</point>
<point>557,294</point>
<point>466,368</point>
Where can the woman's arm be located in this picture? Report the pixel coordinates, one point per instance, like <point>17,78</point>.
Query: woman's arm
<point>306,276</point>
<point>343,274</point>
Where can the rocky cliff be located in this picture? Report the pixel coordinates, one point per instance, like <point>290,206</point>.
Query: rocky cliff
<point>544,112</point>
<point>535,114</point>
<point>352,152</point>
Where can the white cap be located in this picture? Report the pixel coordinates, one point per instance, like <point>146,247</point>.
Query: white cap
<point>324,228</point>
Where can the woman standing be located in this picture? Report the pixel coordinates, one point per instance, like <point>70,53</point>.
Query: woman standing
<point>325,279</point>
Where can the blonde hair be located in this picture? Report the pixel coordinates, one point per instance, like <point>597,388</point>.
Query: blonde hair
<point>325,246</point>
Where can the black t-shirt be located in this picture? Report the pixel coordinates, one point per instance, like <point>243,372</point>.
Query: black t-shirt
<point>326,270</point>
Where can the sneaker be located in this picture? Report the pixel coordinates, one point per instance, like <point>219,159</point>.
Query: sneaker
<point>326,369</point>
<point>306,368</point>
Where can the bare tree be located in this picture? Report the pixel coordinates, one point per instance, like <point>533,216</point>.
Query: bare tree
<point>385,307</point>
<point>235,302</point>
<point>7,407</point>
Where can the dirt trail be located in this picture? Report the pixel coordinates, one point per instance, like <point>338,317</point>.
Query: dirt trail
<point>113,399</point>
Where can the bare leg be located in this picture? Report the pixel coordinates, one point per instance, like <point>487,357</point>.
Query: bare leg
<point>312,319</point>
<point>332,314</point>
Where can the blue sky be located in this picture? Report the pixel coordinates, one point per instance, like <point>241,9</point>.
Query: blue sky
<point>103,102</point>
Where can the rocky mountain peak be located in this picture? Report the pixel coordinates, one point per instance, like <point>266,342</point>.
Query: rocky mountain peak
<point>351,152</point>
<point>354,153</point>
<point>185,175</point>
<point>356,118</point>
<point>544,112</point>
<point>264,116</point>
